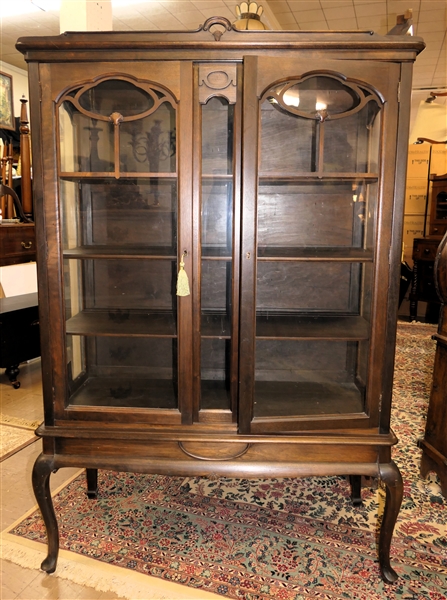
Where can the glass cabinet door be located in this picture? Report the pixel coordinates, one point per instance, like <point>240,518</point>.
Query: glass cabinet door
<point>119,210</point>
<point>216,113</point>
<point>317,190</point>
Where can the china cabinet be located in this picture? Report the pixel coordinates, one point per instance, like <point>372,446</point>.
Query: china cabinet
<point>438,205</point>
<point>434,442</point>
<point>271,165</point>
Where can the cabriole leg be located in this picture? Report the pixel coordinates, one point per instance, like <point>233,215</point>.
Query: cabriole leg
<point>43,467</point>
<point>390,475</point>
<point>92,482</point>
<point>356,489</point>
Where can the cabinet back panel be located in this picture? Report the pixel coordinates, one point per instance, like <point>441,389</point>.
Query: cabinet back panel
<point>130,284</point>
<point>139,214</point>
<point>308,215</point>
<point>217,213</point>
<point>306,286</point>
<point>285,142</point>
<point>126,371</point>
<point>216,285</point>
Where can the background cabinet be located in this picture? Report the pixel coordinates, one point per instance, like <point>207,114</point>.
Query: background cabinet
<point>274,180</point>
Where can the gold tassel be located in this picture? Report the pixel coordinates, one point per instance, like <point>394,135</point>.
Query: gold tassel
<point>182,280</point>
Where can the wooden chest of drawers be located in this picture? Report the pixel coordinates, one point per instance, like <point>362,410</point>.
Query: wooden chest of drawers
<point>17,243</point>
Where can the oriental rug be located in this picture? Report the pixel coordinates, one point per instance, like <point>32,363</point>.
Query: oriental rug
<point>15,434</point>
<point>258,539</point>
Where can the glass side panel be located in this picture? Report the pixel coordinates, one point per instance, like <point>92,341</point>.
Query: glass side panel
<point>316,226</point>
<point>351,143</point>
<point>217,244</point>
<point>123,372</point>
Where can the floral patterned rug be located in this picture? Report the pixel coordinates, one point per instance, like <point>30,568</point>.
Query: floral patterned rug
<point>262,539</point>
<point>15,434</point>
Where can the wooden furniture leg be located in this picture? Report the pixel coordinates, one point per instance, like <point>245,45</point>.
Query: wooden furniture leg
<point>356,489</point>
<point>43,467</point>
<point>390,475</point>
<point>12,373</point>
<point>92,483</point>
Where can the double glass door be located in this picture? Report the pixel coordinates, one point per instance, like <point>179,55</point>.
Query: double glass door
<point>277,234</point>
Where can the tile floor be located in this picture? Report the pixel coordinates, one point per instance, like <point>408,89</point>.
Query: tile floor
<point>16,496</point>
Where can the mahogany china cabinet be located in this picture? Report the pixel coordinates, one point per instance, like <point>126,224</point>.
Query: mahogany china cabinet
<point>262,170</point>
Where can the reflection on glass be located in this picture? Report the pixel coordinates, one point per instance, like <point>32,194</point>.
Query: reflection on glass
<point>86,143</point>
<point>319,124</point>
<point>117,126</point>
<point>115,95</point>
<point>149,144</point>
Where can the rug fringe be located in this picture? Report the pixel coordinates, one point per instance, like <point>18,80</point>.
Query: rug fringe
<point>18,422</point>
<point>101,577</point>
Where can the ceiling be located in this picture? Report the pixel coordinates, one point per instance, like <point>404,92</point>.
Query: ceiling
<point>429,19</point>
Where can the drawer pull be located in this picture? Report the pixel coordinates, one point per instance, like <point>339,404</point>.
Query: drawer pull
<point>27,245</point>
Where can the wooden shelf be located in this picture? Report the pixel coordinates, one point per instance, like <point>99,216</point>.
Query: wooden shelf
<point>309,253</point>
<point>306,398</point>
<point>278,177</point>
<point>215,253</point>
<point>121,252</point>
<point>116,323</point>
<point>126,392</point>
<point>224,177</point>
<point>99,177</point>
<point>285,327</point>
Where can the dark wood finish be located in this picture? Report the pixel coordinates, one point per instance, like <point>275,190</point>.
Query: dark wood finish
<point>434,442</point>
<point>19,333</point>
<point>423,287</point>
<point>438,205</point>
<point>279,362</point>
<point>17,243</point>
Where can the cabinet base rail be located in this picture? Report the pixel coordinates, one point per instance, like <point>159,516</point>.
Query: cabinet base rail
<point>388,473</point>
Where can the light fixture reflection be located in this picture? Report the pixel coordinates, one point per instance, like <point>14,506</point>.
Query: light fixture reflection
<point>291,98</point>
<point>320,106</point>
